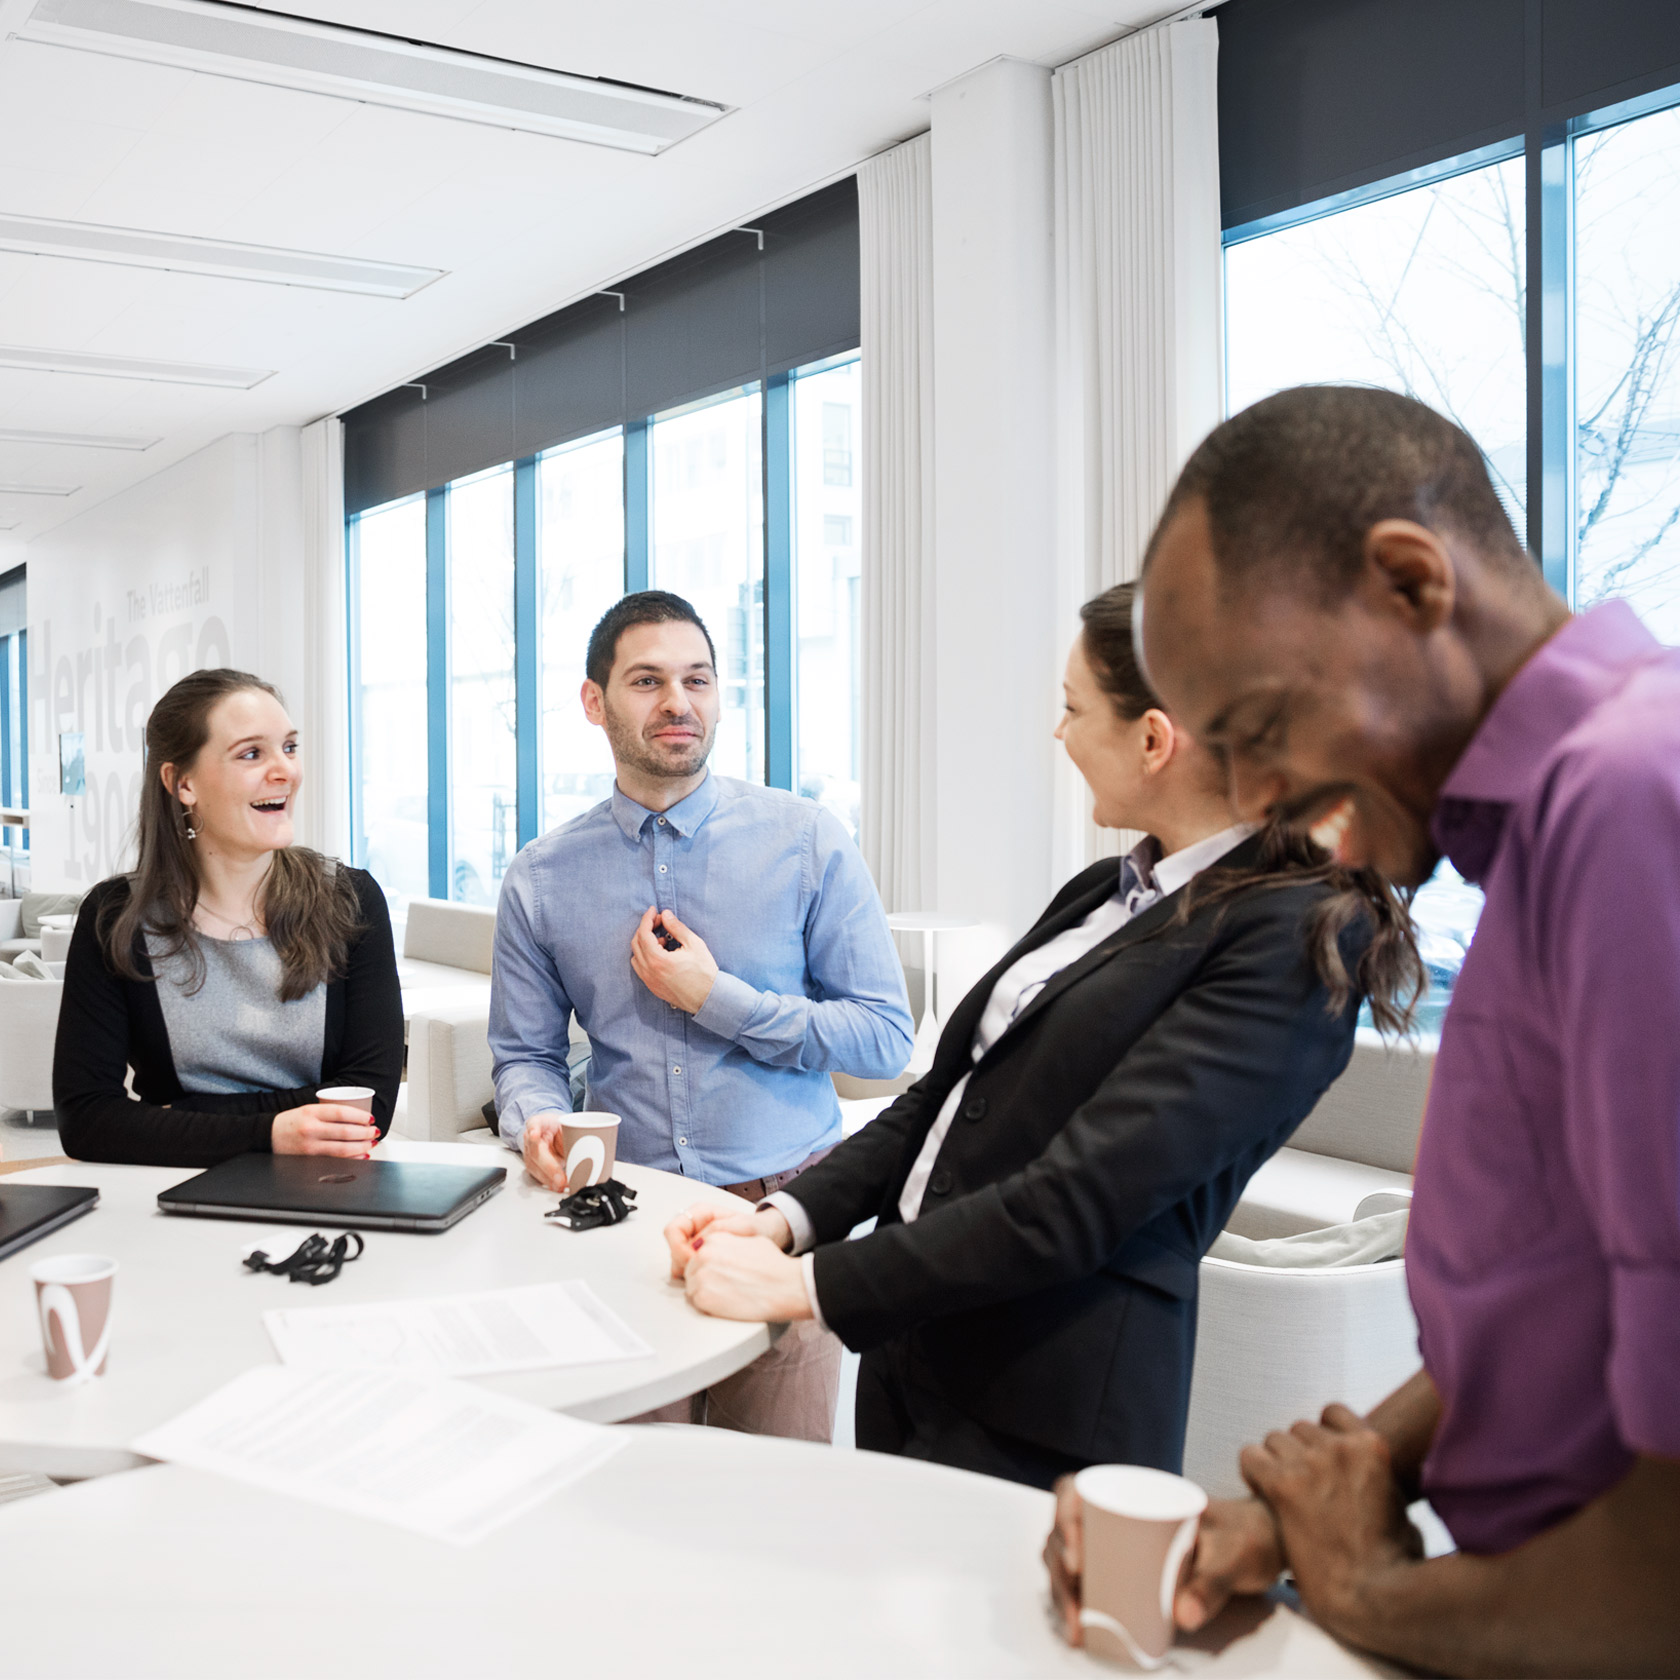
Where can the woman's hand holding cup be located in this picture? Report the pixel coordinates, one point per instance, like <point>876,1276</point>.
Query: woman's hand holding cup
<point>341,1126</point>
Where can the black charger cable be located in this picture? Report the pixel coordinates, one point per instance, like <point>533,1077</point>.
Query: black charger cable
<point>315,1261</point>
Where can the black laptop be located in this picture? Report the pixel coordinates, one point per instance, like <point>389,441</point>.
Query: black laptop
<point>321,1190</point>
<point>30,1211</point>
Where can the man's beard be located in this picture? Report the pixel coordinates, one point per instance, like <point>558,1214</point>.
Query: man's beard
<point>629,747</point>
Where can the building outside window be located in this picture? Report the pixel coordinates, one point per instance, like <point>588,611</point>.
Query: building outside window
<point>580,560</point>
<point>387,554</point>
<point>827,520</point>
<point>706,524</point>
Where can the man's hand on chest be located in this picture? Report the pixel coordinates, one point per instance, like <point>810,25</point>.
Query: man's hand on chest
<point>677,968</point>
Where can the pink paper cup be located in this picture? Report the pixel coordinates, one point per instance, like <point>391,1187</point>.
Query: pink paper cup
<point>73,1303</point>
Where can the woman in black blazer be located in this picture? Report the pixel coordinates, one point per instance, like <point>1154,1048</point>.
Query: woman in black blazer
<point>234,972</point>
<point>1026,1304</point>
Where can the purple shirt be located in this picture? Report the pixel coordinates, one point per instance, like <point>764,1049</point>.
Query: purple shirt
<point>1544,1249</point>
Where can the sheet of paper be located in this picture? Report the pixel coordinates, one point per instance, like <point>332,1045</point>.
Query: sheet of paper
<point>444,1459</point>
<point>526,1329</point>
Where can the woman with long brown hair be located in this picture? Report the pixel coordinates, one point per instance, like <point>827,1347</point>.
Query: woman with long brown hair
<point>1027,1302</point>
<point>234,972</point>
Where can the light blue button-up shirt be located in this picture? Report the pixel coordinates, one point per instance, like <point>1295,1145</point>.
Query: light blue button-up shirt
<point>808,981</point>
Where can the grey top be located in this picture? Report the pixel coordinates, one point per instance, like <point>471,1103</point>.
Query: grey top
<point>234,1033</point>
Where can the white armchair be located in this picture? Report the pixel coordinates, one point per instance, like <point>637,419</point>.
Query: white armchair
<point>448,1073</point>
<point>1276,1344</point>
<point>28,1027</point>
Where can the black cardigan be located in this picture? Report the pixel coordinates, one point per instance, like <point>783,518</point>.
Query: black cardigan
<point>107,1024</point>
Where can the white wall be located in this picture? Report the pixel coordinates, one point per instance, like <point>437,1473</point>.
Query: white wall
<point>203,564</point>
<point>994,546</point>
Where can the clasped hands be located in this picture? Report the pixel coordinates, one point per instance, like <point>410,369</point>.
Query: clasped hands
<point>1326,1505</point>
<point>736,1265</point>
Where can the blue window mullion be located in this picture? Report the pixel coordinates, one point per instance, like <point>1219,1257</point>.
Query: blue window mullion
<point>525,634</point>
<point>778,583</point>
<point>23,723</point>
<point>353,670</point>
<point>7,769</point>
<point>635,506</point>
<point>437,691</point>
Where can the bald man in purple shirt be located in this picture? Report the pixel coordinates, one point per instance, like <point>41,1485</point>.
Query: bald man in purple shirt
<point>1335,599</point>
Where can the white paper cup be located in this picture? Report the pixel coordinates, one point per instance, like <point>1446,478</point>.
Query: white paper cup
<point>1139,1526</point>
<point>352,1096</point>
<point>591,1145</point>
<point>73,1303</point>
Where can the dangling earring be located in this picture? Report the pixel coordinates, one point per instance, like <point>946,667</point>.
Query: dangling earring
<point>186,814</point>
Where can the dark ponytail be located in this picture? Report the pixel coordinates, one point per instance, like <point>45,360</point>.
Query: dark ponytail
<point>1389,973</point>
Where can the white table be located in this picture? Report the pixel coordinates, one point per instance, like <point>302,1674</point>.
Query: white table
<point>187,1313</point>
<point>694,1552</point>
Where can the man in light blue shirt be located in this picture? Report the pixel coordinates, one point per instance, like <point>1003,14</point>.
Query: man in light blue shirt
<point>725,950</point>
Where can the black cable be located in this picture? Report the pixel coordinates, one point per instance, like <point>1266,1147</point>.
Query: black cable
<point>315,1260</point>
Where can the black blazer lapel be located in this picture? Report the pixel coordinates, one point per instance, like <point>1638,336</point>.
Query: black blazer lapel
<point>1139,927</point>
<point>1244,855</point>
<point>957,1039</point>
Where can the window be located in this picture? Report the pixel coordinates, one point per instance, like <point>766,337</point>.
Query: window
<point>580,558</point>
<point>387,553</point>
<point>827,511</point>
<point>1423,292</point>
<point>706,518</point>
<point>1627,376</point>
<point>472,605</point>
<point>483,718</point>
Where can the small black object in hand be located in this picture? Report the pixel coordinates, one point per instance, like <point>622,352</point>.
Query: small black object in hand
<point>666,938</point>
<point>599,1204</point>
<point>315,1260</point>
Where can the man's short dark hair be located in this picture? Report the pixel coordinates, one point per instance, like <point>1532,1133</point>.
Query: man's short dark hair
<point>646,606</point>
<point>1292,485</point>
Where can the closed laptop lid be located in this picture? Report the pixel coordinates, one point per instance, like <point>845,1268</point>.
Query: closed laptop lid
<point>28,1211</point>
<point>333,1190</point>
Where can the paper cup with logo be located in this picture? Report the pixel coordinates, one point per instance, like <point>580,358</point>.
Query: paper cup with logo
<point>591,1145</point>
<point>73,1302</point>
<point>351,1096</point>
<point>1139,1527</point>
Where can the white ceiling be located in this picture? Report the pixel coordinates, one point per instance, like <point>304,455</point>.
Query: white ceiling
<point>522,224</point>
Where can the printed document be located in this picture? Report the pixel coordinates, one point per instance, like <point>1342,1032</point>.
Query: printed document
<point>444,1459</point>
<point>527,1329</point>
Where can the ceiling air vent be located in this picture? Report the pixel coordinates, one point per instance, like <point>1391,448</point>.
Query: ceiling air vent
<point>256,46</point>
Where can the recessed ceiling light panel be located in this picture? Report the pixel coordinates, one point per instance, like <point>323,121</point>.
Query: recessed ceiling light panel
<point>39,489</point>
<point>255,46</point>
<point>128,367</point>
<point>78,440</point>
<point>38,237</point>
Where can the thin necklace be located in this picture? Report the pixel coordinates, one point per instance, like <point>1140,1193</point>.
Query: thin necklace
<point>236,930</point>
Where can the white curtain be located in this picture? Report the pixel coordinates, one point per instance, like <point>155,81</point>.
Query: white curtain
<point>895,213</point>
<point>1138,328</point>
<point>326,644</point>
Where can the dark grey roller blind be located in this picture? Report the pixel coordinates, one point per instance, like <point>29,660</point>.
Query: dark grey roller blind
<point>721,315</point>
<point>1318,97</point>
<point>1321,96</point>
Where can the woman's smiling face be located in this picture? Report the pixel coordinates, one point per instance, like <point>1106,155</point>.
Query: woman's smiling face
<point>242,787</point>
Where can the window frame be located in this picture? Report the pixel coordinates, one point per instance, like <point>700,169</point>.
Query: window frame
<point>779,620</point>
